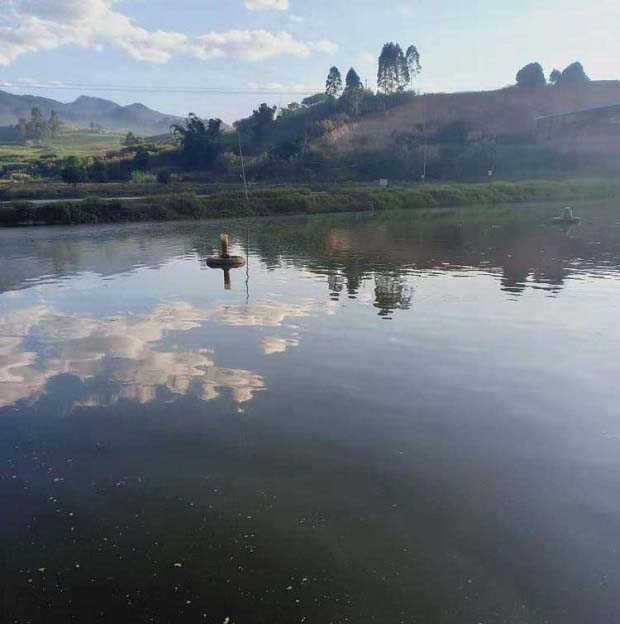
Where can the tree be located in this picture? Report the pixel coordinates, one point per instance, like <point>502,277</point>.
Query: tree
<point>37,126</point>
<point>130,140</point>
<point>574,74</point>
<point>54,124</point>
<point>352,95</point>
<point>531,76</point>
<point>412,58</point>
<point>264,114</point>
<point>314,100</point>
<point>141,158</point>
<point>261,119</point>
<point>200,143</point>
<point>333,84</point>
<point>97,171</point>
<point>393,75</point>
<point>352,81</point>
<point>73,170</point>
<point>555,76</point>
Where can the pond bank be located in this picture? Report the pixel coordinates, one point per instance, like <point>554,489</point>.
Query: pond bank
<point>291,200</point>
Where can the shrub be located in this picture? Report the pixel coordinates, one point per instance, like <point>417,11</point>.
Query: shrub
<point>139,177</point>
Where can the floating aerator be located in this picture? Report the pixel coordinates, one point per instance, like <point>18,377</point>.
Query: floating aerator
<point>225,260</point>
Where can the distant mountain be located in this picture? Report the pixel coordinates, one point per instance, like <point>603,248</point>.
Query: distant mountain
<point>86,110</point>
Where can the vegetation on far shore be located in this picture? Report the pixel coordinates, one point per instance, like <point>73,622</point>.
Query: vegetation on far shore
<point>296,143</point>
<point>291,200</point>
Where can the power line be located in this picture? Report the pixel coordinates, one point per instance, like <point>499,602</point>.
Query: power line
<point>159,89</point>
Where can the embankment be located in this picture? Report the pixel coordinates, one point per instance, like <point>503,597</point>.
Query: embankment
<point>286,201</point>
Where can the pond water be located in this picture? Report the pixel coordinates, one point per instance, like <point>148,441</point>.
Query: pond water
<point>384,418</point>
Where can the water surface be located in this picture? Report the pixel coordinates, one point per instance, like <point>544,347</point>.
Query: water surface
<point>385,418</point>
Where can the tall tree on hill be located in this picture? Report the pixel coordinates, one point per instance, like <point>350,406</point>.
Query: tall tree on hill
<point>352,81</point>
<point>555,76</point>
<point>352,95</point>
<point>412,58</point>
<point>531,76</point>
<point>574,74</point>
<point>333,84</point>
<point>393,75</point>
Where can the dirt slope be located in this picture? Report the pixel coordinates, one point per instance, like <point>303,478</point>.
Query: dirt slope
<point>509,110</point>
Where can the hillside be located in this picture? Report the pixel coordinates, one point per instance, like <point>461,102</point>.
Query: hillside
<point>86,110</point>
<point>505,111</point>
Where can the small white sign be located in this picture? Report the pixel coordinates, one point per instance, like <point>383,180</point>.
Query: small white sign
<point>383,182</point>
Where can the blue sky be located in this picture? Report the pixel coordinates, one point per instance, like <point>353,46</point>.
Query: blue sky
<point>287,45</point>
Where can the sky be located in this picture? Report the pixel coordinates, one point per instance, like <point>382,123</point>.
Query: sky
<point>221,58</point>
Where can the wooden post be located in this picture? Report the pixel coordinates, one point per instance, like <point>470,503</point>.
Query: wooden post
<point>227,283</point>
<point>224,242</point>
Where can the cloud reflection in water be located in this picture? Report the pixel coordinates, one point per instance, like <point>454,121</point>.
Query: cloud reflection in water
<point>38,344</point>
<point>126,353</point>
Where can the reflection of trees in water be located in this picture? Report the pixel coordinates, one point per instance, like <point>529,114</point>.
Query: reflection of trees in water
<point>391,293</point>
<point>347,250</point>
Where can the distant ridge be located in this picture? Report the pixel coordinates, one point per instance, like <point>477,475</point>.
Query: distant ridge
<point>86,110</point>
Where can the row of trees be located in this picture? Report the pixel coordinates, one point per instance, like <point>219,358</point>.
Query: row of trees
<point>397,69</point>
<point>396,72</point>
<point>37,127</point>
<point>352,93</point>
<point>533,75</point>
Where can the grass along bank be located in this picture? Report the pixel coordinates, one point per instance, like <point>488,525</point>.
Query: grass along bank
<point>286,201</point>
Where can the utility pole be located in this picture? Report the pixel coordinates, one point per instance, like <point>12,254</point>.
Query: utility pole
<point>245,182</point>
<point>425,141</point>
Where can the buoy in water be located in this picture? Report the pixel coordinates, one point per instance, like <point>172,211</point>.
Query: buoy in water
<point>567,217</point>
<point>225,260</point>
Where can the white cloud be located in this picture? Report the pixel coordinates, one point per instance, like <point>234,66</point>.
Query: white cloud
<point>267,5</point>
<point>296,19</point>
<point>29,26</point>
<point>258,45</point>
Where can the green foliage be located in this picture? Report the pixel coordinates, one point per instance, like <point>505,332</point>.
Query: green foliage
<point>293,200</point>
<point>54,124</point>
<point>353,93</point>
<point>200,143</point>
<point>353,81</point>
<point>313,100</point>
<point>555,76</point>
<point>412,58</point>
<point>164,177</point>
<point>97,171</point>
<point>73,170</point>
<point>131,140</point>
<point>333,84</point>
<point>141,158</point>
<point>573,74</point>
<point>393,75</point>
<point>531,76</point>
<point>140,177</point>
<point>37,128</point>
<point>254,129</point>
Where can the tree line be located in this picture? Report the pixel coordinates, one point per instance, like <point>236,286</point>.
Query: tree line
<point>533,75</point>
<point>395,73</point>
<point>37,127</point>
